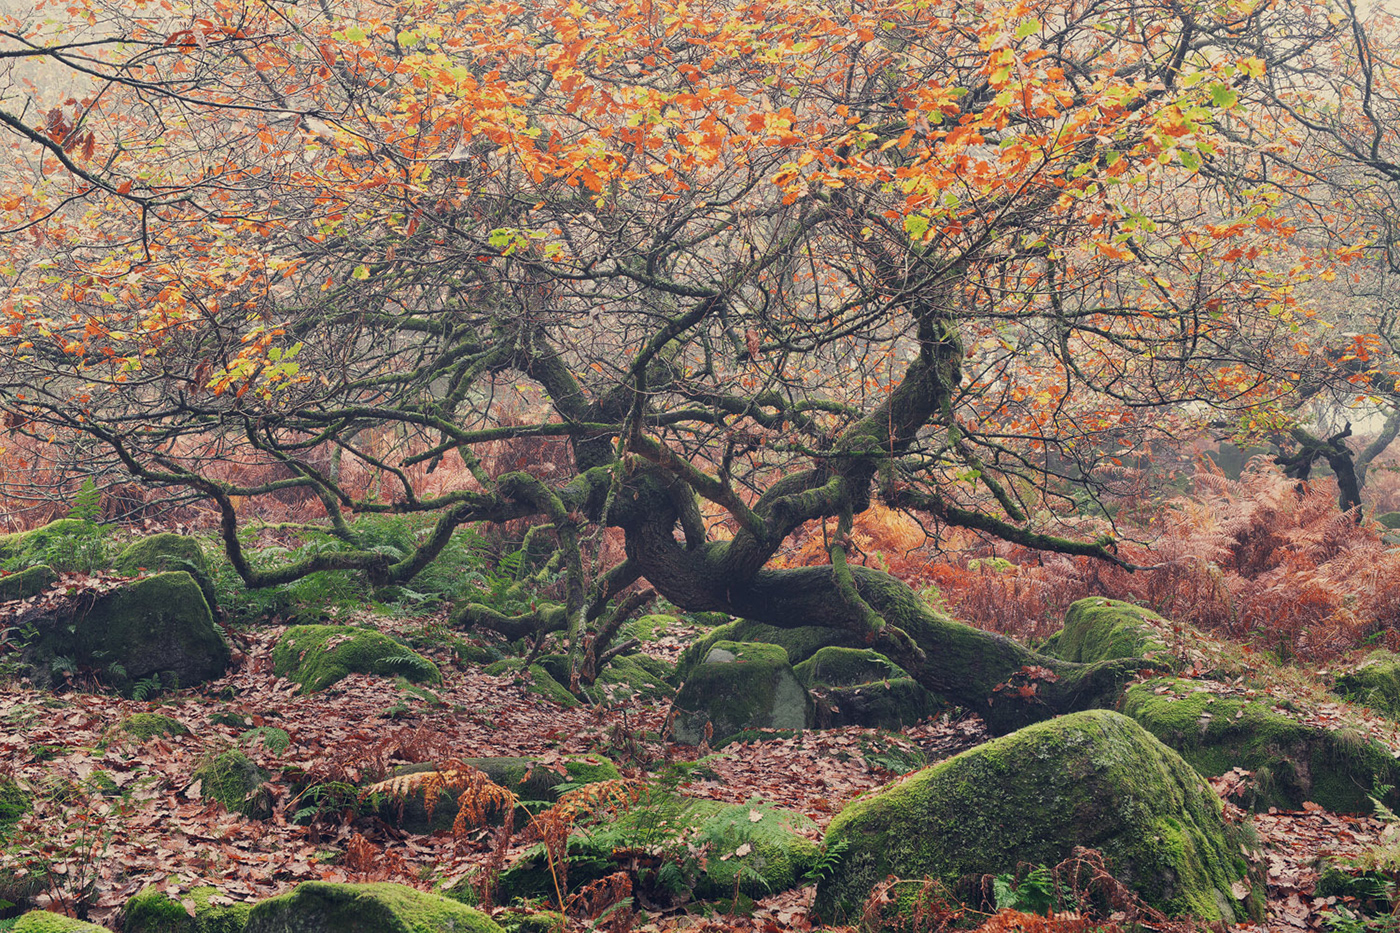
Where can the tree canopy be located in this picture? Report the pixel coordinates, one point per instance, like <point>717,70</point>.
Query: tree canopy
<point>758,264</point>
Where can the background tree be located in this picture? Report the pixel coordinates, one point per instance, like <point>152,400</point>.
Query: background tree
<point>762,265</point>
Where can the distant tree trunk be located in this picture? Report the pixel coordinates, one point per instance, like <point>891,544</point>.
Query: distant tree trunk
<point>1338,456</point>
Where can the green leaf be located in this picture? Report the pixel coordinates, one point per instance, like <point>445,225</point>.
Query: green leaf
<point>1221,95</point>
<point>916,225</point>
<point>361,273</point>
<point>1029,28</point>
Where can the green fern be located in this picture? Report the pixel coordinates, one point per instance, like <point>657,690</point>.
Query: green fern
<point>87,504</point>
<point>144,689</point>
<point>274,740</point>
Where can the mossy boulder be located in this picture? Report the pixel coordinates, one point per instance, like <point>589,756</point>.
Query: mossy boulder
<point>144,726</point>
<point>316,656</point>
<point>168,551</point>
<point>153,911</point>
<point>537,680</point>
<point>29,547</point>
<point>1099,629</point>
<point>235,780</point>
<point>26,583</point>
<point>15,802</point>
<point>381,907</point>
<point>528,779</point>
<point>652,627</point>
<point>1291,761</point>
<point>158,626</point>
<point>740,685</point>
<point>712,848</point>
<point>1389,520</point>
<point>1094,779</point>
<point>42,921</point>
<point>800,642</point>
<point>862,687</point>
<point>1374,683</point>
<point>638,675</point>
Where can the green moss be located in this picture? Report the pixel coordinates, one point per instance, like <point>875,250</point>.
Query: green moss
<point>235,781</point>
<point>890,704</point>
<point>27,583</point>
<point>800,642</point>
<point>740,685</point>
<point>1099,629</point>
<point>42,921</point>
<point>154,911</point>
<point>532,921</point>
<point>156,626</point>
<point>1292,762</point>
<point>652,627</point>
<point>1374,683</point>
<point>143,726</point>
<point>1389,520</point>
<point>702,839</point>
<point>167,551</point>
<point>15,802</point>
<point>316,656</point>
<point>638,674</point>
<point>321,907</point>
<point>846,667</point>
<point>1093,779</point>
<point>27,546</point>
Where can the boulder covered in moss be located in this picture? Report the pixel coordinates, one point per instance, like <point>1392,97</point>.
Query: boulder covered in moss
<point>235,780</point>
<point>1374,683</point>
<point>1290,761</point>
<point>800,642</point>
<point>26,583</point>
<point>1389,520</point>
<point>1094,779</point>
<point>705,847</point>
<point>144,726</point>
<point>153,911</point>
<point>405,803</point>
<point>740,685</point>
<point>862,687</point>
<point>30,547</point>
<point>158,626</point>
<point>537,680</point>
<point>167,551</point>
<point>380,907</point>
<point>635,675</point>
<point>1098,629</point>
<point>43,921</point>
<point>316,656</point>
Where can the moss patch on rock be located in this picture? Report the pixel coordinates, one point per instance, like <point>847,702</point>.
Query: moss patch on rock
<point>154,911</point>
<point>157,626</point>
<point>638,675</point>
<point>800,642</point>
<point>740,685</point>
<point>166,551</point>
<point>42,921</point>
<point>381,907</point>
<point>143,726</point>
<point>316,656</point>
<point>27,583</point>
<point>1093,779</point>
<point>712,848</point>
<point>1098,629</point>
<point>1291,761</point>
<point>27,547</point>
<point>235,780</point>
<point>1374,683</point>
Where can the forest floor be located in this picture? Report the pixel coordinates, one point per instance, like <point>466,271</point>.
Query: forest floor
<point>95,842</point>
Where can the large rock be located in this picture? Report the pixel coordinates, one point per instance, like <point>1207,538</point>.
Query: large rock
<point>861,687</point>
<point>235,780</point>
<point>157,626</point>
<point>166,551</point>
<point>26,583</point>
<point>1094,779</point>
<point>740,685</point>
<point>1291,761</point>
<point>1374,683</point>
<point>153,911</point>
<point>316,656</point>
<point>28,547</point>
<point>43,921</point>
<point>1099,629</point>
<point>321,907</point>
<point>712,849</point>
<point>800,642</point>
